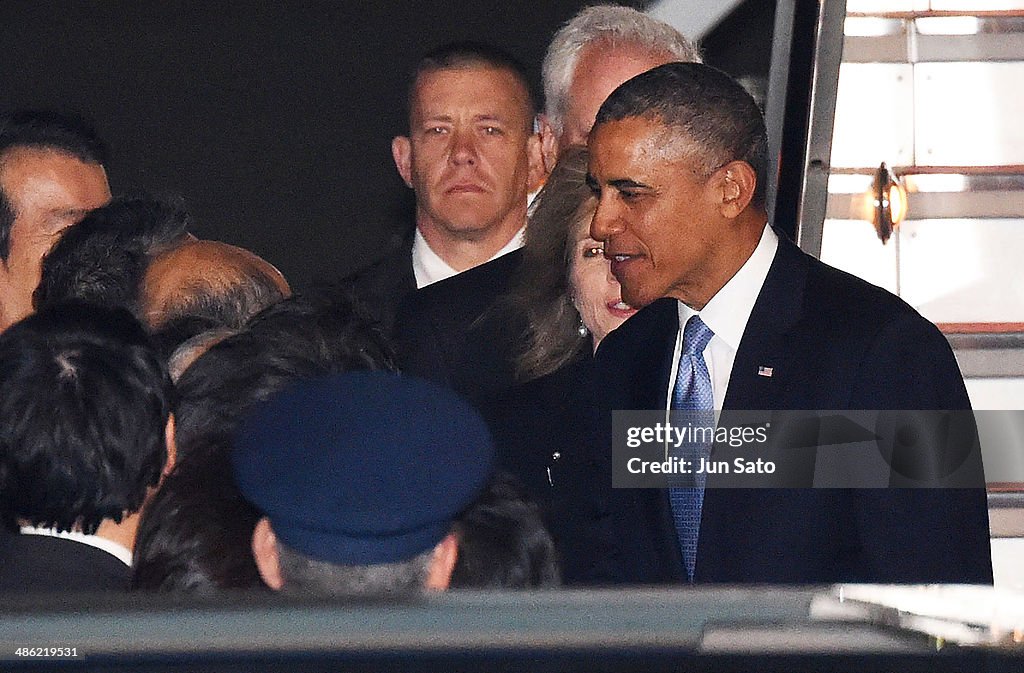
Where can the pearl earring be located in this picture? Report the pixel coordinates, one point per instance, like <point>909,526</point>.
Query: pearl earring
<point>582,329</point>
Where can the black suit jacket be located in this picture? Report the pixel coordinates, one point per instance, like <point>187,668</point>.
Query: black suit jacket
<point>456,331</point>
<point>833,341</point>
<point>43,564</point>
<point>382,286</point>
<point>537,439</point>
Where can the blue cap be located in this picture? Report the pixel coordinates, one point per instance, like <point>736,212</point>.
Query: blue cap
<point>362,468</point>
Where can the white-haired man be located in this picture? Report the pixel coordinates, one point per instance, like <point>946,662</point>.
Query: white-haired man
<point>596,51</point>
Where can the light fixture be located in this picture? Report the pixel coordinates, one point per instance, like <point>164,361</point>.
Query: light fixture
<point>890,202</point>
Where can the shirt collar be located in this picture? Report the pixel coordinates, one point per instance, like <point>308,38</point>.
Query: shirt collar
<point>726,314</point>
<point>428,267</point>
<point>120,551</point>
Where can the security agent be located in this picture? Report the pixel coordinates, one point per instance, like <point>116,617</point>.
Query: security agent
<point>471,156</point>
<point>360,477</point>
<point>456,331</point>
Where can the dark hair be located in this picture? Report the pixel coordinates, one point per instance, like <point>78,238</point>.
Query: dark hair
<point>191,348</point>
<point>304,336</point>
<point>540,289</point>
<point>84,403</point>
<point>195,534</point>
<point>458,55</point>
<point>42,129</point>
<point>172,335</point>
<point>503,543</point>
<point>706,107</point>
<point>103,258</point>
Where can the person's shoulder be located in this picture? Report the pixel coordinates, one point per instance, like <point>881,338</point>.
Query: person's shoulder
<point>851,304</point>
<point>45,563</point>
<point>394,267</point>
<point>381,286</point>
<point>851,293</point>
<point>657,320</point>
<point>879,335</point>
<point>640,345</point>
<point>555,389</point>
<point>489,277</point>
<point>465,294</point>
<point>857,311</point>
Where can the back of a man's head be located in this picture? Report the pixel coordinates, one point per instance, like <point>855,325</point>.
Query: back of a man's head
<point>103,258</point>
<point>84,406</point>
<point>210,280</point>
<point>361,477</point>
<point>196,533</point>
<point>609,27</point>
<point>503,542</point>
<point>307,335</point>
<point>44,130</point>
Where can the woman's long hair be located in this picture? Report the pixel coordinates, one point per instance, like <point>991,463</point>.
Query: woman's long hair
<point>541,289</point>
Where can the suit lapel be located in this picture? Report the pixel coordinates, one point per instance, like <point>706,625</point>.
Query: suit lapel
<point>650,386</point>
<point>633,362</point>
<point>651,391</point>
<point>761,364</point>
<point>762,351</point>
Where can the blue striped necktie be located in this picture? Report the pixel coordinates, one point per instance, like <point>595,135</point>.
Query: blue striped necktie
<point>692,393</point>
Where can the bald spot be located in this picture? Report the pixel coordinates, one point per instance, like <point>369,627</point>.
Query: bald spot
<point>173,276</point>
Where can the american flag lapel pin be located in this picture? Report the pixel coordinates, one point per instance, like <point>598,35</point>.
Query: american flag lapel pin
<point>554,459</point>
<point>765,371</point>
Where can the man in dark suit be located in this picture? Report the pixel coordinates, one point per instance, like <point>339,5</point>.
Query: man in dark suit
<point>736,317</point>
<point>85,437</point>
<point>471,157</point>
<point>456,331</point>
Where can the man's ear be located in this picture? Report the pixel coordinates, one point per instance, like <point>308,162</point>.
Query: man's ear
<point>736,182</point>
<point>446,553</point>
<point>264,552</point>
<point>172,446</point>
<point>401,152</point>
<point>548,143</point>
<point>538,170</point>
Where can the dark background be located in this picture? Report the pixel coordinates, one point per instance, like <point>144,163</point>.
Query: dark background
<point>274,120</point>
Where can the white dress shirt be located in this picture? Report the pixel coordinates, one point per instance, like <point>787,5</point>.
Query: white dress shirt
<point>120,551</point>
<point>726,314</point>
<point>428,267</point>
